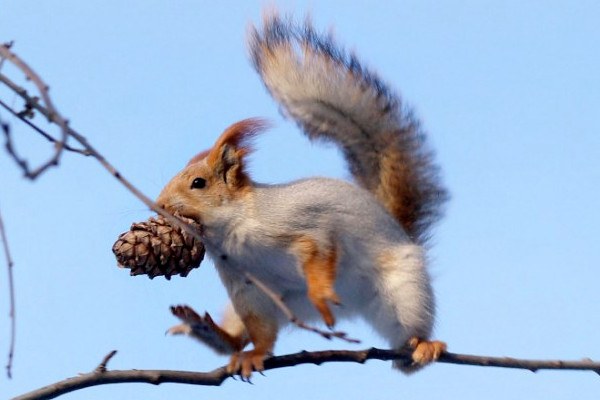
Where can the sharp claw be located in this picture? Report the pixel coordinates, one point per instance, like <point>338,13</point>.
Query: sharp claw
<point>335,299</point>
<point>181,329</point>
<point>244,363</point>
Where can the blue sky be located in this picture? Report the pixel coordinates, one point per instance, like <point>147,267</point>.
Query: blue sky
<point>508,91</point>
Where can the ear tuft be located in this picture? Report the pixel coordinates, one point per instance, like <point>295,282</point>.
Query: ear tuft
<point>238,136</point>
<point>227,155</point>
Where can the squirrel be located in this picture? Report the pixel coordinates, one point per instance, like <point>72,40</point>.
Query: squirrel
<point>317,241</point>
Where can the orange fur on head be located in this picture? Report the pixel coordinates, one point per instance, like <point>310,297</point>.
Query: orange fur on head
<point>198,157</point>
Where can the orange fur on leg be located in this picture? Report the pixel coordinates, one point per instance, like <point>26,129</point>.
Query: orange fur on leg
<point>320,270</point>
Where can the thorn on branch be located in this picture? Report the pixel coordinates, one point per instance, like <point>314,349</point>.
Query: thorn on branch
<point>28,111</point>
<point>7,45</point>
<point>101,368</point>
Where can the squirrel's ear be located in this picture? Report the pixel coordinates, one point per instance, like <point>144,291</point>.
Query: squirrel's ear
<point>230,166</point>
<point>226,158</point>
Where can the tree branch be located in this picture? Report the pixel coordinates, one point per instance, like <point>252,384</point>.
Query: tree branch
<point>101,376</point>
<point>11,290</point>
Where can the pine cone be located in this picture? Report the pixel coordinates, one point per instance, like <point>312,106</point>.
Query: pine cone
<point>156,248</point>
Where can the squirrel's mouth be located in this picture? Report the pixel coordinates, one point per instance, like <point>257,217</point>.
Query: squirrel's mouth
<point>185,214</point>
<point>191,218</point>
<point>194,224</point>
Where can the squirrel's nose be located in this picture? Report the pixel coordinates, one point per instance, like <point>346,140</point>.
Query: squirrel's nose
<point>160,202</point>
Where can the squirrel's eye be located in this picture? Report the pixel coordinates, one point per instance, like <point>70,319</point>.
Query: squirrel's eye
<point>198,183</point>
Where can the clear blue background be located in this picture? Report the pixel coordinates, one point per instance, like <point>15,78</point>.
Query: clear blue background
<point>508,90</point>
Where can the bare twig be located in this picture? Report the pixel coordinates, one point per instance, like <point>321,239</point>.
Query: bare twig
<point>290,316</point>
<point>51,112</point>
<point>8,45</point>
<point>8,145</point>
<point>53,116</point>
<point>11,290</point>
<point>217,376</point>
<point>33,126</point>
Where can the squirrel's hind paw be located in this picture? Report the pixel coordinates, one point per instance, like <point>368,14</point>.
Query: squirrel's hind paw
<point>423,353</point>
<point>245,362</point>
<point>426,351</point>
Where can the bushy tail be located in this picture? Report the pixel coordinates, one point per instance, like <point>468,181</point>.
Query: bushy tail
<point>333,97</point>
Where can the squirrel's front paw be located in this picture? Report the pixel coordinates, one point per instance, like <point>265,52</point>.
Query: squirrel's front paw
<point>192,322</point>
<point>245,362</point>
<point>186,314</point>
<point>205,330</point>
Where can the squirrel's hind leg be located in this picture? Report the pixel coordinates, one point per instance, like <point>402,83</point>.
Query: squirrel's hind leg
<point>404,314</point>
